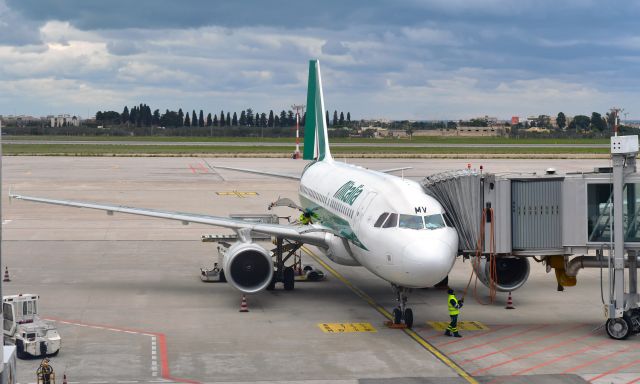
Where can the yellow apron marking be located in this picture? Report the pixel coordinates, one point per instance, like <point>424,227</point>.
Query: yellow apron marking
<point>238,194</point>
<point>346,327</point>
<point>462,325</point>
<point>434,351</point>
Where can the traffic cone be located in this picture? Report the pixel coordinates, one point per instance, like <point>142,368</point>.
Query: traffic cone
<point>243,305</point>
<point>509,302</point>
<point>6,275</point>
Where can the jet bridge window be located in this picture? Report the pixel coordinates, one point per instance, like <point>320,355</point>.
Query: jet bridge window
<point>434,221</point>
<point>381,220</point>
<point>411,222</point>
<point>600,212</point>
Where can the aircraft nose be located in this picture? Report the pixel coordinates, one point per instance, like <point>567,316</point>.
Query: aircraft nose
<point>427,263</point>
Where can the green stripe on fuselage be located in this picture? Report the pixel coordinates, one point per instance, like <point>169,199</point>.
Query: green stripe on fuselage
<point>330,220</point>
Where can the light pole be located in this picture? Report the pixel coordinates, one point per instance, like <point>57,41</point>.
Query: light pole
<point>297,108</point>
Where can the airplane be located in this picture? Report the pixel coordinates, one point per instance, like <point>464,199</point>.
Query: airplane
<point>360,217</point>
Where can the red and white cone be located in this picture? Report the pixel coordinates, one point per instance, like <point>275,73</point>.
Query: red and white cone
<point>6,275</point>
<point>509,302</point>
<point>243,305</point>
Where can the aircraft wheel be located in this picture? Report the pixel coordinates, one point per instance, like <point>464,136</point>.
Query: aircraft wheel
<point>289,279</point>
<point>397,316</point>
<point>408,317</point>
<point>618,329</point>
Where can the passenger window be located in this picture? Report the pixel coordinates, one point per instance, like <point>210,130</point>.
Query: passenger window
<point>434,221</point>
<point>411,222</point>
<point>392,221</point>
<point>381,220</point>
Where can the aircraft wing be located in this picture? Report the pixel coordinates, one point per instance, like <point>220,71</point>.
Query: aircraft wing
<point>257,172</point>
<point>287,176</point>
<point>309,234</point>
<point>394,169</point>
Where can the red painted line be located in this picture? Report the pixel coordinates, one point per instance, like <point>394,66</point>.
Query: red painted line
<point>498,339</point>
<point>560,358</point>
<point>553,346</point>
<point>634,362</point>
<point>598,359</point>
<point>162,346</point>
<point>519,345</point>
<point>192,169</point>
<point>202,168</point>
<point>634,381</point>
<point>493,329</point>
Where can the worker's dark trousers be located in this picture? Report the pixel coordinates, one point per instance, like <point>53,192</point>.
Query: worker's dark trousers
<point>453,326</point>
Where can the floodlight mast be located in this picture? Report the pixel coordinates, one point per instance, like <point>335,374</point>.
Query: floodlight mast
<point>297,108</point>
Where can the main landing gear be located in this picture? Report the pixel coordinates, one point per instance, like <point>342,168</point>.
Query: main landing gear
<point>402,314</point>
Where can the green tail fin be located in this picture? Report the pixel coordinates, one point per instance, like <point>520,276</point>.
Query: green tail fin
<point>316,137</point>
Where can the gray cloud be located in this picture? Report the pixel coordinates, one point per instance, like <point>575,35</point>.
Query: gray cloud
<point>405,59</point>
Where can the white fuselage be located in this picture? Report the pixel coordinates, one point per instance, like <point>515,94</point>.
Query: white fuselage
<point>417,250</point>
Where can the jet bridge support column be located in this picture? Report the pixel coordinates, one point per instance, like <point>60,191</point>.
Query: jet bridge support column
<point>622,309</point>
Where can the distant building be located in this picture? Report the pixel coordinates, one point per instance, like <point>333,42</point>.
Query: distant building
<point>64,121</point>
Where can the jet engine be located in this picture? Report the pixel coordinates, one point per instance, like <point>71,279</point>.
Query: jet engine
<point>338,250</point>
<point>248,267</point>
<point>510,272</point>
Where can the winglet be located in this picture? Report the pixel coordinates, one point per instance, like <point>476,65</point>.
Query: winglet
<point>316,137</point>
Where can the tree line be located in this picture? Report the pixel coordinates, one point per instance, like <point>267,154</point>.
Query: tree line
<point>141,116</point>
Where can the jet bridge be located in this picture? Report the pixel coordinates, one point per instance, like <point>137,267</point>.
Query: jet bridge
<point>567,221</point>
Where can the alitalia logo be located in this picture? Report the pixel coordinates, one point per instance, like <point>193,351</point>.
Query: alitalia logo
<point>348,193</point>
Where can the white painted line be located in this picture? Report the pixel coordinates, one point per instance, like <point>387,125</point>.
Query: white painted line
<point>6,222</point>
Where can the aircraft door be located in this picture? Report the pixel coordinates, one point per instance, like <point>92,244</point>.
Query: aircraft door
<point>361,217</point>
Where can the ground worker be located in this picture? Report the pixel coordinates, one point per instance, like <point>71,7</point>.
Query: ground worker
<point>45,373</point>
<point>454,310</point>
<point>305,218</point>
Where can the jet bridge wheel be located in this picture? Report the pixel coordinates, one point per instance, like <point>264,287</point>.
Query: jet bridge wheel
<point>619,328</point>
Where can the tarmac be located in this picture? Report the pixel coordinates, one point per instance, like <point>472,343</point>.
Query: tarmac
<point>126,293</point>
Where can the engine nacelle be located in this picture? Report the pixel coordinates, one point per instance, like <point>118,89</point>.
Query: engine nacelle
<point>511,272</point>
<point>248,267</point>
<point>338,250</point>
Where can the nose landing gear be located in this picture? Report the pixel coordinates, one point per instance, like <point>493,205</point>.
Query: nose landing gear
<point>402,314</point>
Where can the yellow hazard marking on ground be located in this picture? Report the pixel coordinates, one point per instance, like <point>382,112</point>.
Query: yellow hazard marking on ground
<point>425,344</point>
<point>346,327</point>
<point>462,325</point>
<point>238,194</point>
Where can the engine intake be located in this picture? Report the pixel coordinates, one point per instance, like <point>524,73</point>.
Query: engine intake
<point>248,267</point>
<point>511,272</point>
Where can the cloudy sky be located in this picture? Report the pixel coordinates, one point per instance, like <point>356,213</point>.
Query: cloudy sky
<point>401,59</point>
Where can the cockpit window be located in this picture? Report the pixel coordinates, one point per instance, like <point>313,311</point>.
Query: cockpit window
<point>447,220</point>
<point>411,222</point>
<point>392,221</point>
<point>381,220</point>
<point>434,221</point>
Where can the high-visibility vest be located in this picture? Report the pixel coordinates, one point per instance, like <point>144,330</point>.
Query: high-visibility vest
<point>453,309</point>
